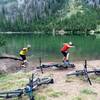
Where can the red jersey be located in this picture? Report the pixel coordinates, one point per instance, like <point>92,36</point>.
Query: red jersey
<point>65,47</point>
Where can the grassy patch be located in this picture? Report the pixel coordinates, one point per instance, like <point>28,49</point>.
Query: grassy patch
<point>72,78</point>
<point>55,94</point>
<point>88,92</point>
<point>2,76</point>
<point>50,92</point>
<point>77,98</point>
<point>95,78</point>
<point>14,81</point>
<point>69,79</point>
<point>40,97</point>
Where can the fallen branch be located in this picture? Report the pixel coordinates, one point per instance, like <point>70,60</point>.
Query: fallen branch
<point>14,58</point>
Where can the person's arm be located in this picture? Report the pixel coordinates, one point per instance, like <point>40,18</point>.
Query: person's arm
<point>70,46</point>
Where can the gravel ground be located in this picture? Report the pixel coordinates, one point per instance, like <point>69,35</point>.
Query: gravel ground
<point>64,88</point>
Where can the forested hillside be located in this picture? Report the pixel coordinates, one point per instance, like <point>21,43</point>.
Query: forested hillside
<point>46,15</point>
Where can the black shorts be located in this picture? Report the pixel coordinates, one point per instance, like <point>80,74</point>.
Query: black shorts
<point>64,53</point>
<point>23,57</point>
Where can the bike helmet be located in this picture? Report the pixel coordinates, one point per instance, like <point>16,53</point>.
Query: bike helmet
<point>70,43</point>
<point>28,46</point>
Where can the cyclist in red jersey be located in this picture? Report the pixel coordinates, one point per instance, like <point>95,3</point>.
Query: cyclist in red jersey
<point>64,51</point>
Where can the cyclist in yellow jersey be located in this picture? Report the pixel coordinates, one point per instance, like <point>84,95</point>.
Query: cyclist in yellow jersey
<point>23,53</point>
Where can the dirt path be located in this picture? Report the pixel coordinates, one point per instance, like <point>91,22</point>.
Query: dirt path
<point>64,88</point>
<point>72,88</point>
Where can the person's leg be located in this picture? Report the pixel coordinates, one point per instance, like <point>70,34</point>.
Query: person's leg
<point>67,56</point>
<point>64,54</point>
<point>23,59</point>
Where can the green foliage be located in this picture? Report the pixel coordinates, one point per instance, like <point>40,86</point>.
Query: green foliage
<point>77,98</point>
<point>82,22</point>
<point>95,78</point>
<point>88,92</point>
<point>2,41</point>
<point>79,22</point>
<point>50,92</point>
<point>55,94</point>
<point>40,97</point>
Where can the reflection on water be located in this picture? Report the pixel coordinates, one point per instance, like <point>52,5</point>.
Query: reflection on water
<point>48,46</point>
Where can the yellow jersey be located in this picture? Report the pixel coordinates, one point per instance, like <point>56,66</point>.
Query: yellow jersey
<point>23,51</point>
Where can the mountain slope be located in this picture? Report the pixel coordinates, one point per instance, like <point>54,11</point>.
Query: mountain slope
<point>30,15</point>
<point>29,9</point>
<point>37,9</point>
<point>94,3</point>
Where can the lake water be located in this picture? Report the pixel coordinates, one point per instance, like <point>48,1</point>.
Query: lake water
<point>48,46</point>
